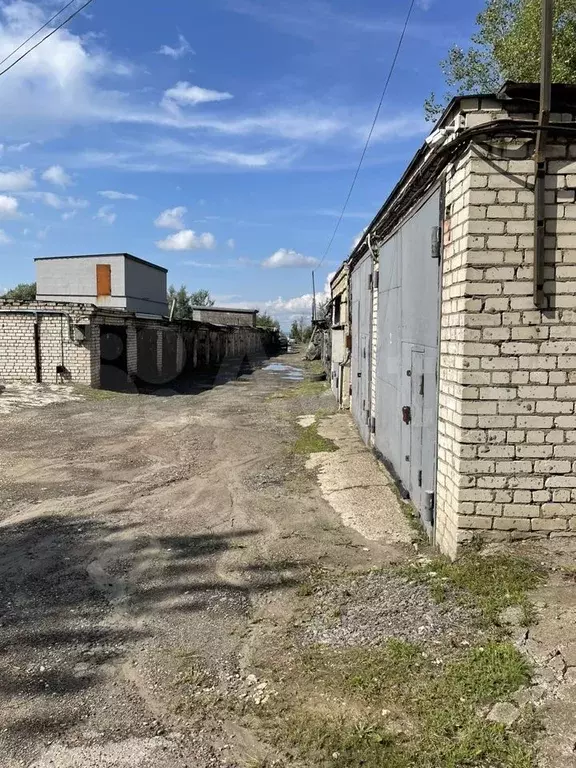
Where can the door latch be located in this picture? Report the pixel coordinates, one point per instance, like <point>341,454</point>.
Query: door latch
<point>406,414</point>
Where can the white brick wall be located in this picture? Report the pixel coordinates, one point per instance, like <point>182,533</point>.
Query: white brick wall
<point>57,347</point>
<point>507,418</point>
<point>82,359</point>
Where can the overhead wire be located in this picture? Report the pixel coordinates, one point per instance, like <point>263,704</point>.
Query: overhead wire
<point>370,133</point>
<point>50,20</point>
<point>52,32</point>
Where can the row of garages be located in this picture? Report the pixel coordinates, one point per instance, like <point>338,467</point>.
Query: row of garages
<point>56,342</point>
<point>385,349</point>
<point>458,377</point>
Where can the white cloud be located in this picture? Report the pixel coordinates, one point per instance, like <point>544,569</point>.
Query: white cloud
<point>183,94</point>
<point>188,240</point>
<point>59,83</point>
<point>424,5</point>
<point>177,52</point>
<point>167,154</point>
<point>8,207</point>
<point>74,81</point>
<point>287,258</point>
<point>110,194</point>
<point>172,218</point>
<point>4,239</point>
<point>58,176</point>
<point>292,308</point>
<point>106,215</point>
<point>56,201</point>
<point>69,215</point>
<point>18,147</point>
<point>17,181</point>
<point>231,243</point>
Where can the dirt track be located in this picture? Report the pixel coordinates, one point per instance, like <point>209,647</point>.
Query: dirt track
<point>138,532</point>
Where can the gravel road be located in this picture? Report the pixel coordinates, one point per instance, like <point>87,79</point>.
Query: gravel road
<point>140,537</point>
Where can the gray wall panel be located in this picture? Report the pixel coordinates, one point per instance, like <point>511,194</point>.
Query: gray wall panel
<point>406,365</point>
<point>361,298</point>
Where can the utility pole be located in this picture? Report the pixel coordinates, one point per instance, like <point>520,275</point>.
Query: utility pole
<point>547,25</point>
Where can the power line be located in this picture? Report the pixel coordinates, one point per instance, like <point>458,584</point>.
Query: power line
<point>50,20</point>
<point>373,126</point>
<point>52,32</point>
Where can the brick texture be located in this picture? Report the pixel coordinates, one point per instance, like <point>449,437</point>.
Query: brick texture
<point>79,355</point>
<point>507,400</point>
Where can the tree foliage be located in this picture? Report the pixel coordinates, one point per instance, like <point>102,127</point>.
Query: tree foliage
<point>506,46</point>
<point>22,292</point>
<point>264,320</point>
<point>185,301</point>
<point>201,298</point>
<point>300,331</point>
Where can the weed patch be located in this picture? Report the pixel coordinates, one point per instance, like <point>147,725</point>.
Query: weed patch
<point>394,707</point>
<point>309,441</point>
<point>95,395</point>
<point>490,583</point>
<point>304,389</point>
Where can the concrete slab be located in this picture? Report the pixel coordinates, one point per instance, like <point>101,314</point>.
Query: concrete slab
<point>357,486</point>
<point>17,396</point>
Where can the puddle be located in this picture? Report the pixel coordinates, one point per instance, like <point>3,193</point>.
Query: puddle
<point>288,372</point>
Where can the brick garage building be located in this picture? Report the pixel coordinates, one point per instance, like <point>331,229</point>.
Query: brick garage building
<point>460,382</point>
<point>111,330</point>
<point>62,342</point>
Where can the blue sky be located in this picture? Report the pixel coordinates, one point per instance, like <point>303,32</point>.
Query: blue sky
<point>215,137</point>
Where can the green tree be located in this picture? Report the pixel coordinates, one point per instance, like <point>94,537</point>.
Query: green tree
<point>184,301</point>
<point>506,46</point>
<point>22,292</point>
<point>201,298</point>
<point>300,330</point>
<point>179,298</point>
<point>264,320</point>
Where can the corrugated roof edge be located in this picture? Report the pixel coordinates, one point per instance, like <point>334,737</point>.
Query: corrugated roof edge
<point>509,91</point>
<point>359,250</point>
<point>224,309</point>
<point>102,256</point>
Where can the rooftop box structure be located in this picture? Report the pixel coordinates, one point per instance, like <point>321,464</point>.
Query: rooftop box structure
<point>110,280</point>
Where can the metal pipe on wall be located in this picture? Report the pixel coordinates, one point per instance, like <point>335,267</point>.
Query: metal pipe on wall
<point>540,153</point>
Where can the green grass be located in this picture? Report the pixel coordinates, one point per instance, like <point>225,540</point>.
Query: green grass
<point>309,441</point>
<point>303,389</point>
<point>392,707</point>
<point>490,583</point>
<point>95,395</point>
<point>313,366</point>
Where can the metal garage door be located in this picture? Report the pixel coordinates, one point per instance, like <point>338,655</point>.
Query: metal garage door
<point>406,368</point>
<point>361,296</point>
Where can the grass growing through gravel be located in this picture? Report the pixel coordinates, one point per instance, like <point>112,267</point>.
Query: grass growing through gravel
<point>490,583</point>
<point>303,389</point>
<point>309,441</point>
<point>95,395</point>
<point>395,707</point>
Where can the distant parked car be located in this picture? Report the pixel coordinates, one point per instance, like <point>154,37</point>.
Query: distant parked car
<point>283,342</point>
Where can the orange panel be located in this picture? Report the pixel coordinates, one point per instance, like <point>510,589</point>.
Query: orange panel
<point>103,280</point>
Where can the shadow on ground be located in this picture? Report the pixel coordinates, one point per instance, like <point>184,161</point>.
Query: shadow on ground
<point>190,381</point>
<point>75,595</point>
